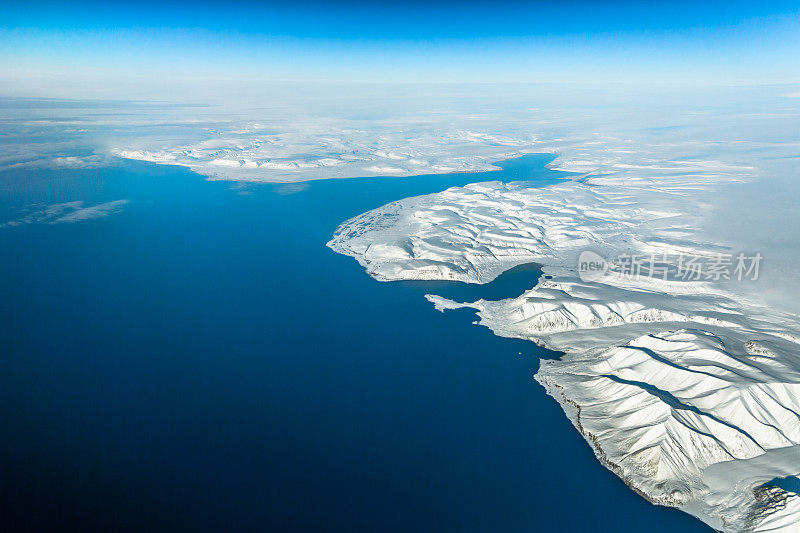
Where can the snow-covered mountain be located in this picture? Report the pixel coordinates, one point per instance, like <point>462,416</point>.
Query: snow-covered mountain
<point>687,387</point>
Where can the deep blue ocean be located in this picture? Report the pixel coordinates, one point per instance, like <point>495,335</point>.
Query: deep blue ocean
<point>201,361</point>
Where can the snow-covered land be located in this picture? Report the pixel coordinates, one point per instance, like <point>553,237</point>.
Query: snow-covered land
<point>687,387</point>
<point>258,153</point>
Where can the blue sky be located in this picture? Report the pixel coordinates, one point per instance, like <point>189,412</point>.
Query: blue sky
<point>738,42</point>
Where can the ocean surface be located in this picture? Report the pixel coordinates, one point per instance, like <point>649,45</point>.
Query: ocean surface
<point>201,361</point>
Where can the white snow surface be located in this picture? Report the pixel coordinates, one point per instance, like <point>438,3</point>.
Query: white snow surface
<point>687,390</point>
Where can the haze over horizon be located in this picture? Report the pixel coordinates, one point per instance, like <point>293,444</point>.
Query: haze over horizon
<point>51,49</point>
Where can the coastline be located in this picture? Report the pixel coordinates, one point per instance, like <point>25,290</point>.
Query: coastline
<point>586,320</point>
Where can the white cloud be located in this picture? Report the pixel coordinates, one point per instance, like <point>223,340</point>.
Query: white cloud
<point>65,212</point>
